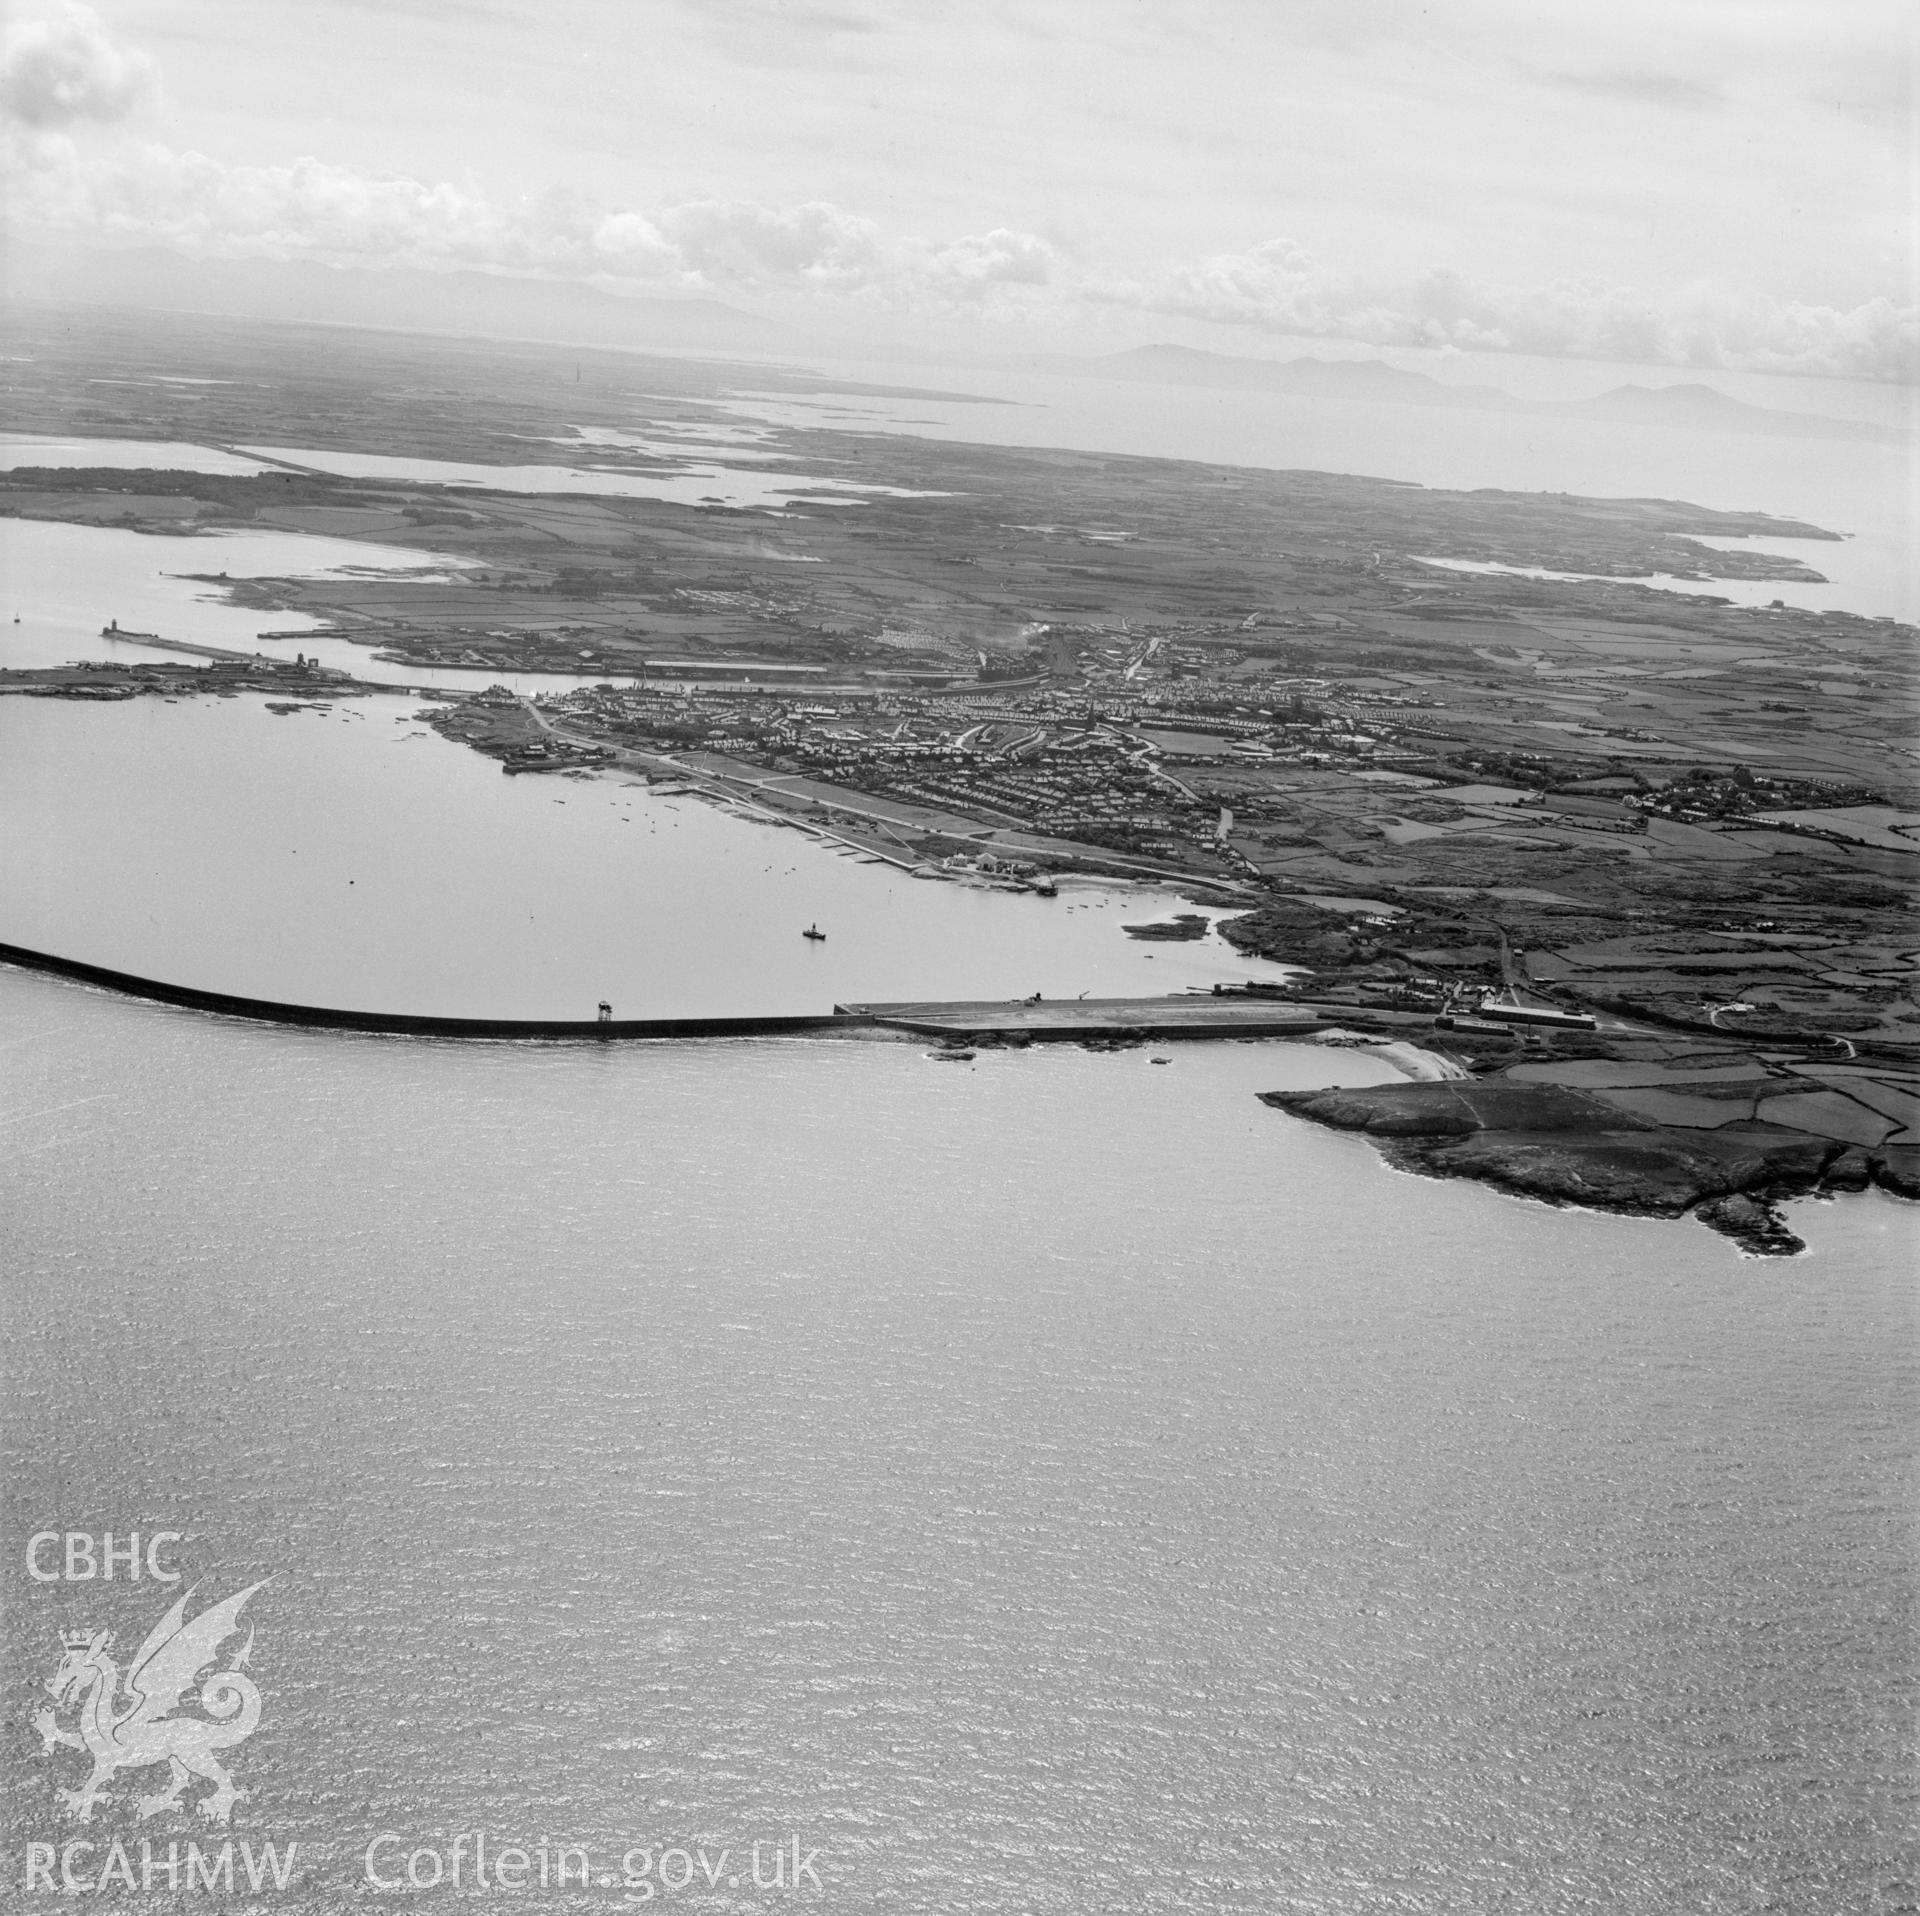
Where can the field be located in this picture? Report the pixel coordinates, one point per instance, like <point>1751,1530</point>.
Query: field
<point>1690,816</point>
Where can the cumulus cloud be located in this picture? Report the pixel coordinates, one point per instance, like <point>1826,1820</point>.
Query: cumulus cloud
<point>66,69</point>
<point>68,91</point>
<point>1279,287</point>
<point>740,243</point>
<point>59,71</point>
<point>631,246</point>
<point>307,209</point>
<point>980,261</point>
<point>151,195</point>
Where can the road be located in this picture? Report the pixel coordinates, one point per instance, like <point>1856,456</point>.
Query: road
<point>739,784</point>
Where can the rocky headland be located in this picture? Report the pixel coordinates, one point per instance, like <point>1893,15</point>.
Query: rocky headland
<point>1564,1145</point>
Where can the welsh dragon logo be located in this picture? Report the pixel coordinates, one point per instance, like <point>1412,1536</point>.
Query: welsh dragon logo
<point>127,1722</point>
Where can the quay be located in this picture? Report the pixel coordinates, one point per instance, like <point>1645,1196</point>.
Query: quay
<point>1069,1020</point>
<point>299,666</point>
<point>192,648</point>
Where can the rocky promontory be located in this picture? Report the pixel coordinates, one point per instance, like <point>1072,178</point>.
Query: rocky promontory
<point>1186,925</point>
<point>1575,1146</point>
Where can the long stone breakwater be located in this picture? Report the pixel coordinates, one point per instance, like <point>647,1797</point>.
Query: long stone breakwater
<point>1025,1021</point>
<point>402,1024</point>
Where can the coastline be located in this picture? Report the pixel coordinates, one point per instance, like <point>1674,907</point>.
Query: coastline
<point>1557,1144</point>
<point>1565,1146</point>
<point>1419,786</point>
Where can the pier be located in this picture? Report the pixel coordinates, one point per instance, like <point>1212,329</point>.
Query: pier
<point>191,648</point>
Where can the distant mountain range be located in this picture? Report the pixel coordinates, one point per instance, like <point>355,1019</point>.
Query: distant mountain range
<point>397,298</point>
<point>564,312</point>
<point>1374,382</point>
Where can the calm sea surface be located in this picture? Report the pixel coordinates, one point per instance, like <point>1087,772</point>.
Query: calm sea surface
<point>1056,1484</point>
<point>1051,1484</point>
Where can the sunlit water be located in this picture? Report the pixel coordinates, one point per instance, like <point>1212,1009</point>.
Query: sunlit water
<point>19,449</point>
<point>692,485</point>
<point>1053,1484</point>
<point>699,471</point>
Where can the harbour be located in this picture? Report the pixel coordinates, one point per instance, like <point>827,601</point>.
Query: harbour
<point>921,950</point>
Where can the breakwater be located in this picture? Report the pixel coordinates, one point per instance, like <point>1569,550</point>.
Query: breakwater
<point>1017,1021</point>
<point>406,1024</point>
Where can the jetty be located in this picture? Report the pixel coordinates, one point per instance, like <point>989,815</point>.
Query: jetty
<point>192,648</point>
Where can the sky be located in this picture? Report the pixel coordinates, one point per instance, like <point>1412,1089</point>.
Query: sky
<point>1725,183</point>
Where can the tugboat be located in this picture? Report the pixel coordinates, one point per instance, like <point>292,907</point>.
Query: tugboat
<point>814,932</point>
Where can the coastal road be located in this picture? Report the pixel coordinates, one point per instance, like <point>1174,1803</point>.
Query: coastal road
<point>734,781</point>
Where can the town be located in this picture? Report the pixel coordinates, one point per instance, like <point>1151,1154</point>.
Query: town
<point>1437,752</point>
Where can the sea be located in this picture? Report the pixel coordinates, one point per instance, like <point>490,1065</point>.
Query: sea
<point>786,1472</point>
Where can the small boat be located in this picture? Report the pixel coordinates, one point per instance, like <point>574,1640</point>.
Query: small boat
<point>816,934</point>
